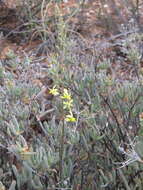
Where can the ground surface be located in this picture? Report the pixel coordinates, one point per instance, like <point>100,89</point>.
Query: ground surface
<point>98,24</point>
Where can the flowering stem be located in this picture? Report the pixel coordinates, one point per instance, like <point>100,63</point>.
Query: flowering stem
<point>61,151</point>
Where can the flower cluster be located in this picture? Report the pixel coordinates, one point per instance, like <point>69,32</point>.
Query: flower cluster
<point>54,91</point>
<point>67,103</point>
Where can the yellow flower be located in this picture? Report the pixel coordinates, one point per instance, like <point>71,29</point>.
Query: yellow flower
<point>66,95</point>
<point>54,91</point>
<point>68,104</point>
<point>10,84</point>
<point>70,118</point>
<point>26,99</point>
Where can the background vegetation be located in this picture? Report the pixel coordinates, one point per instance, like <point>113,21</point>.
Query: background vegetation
<point>71,110</point>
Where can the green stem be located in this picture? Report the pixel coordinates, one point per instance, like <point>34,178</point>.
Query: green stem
<point>124,180</point>
<point>61,151</point>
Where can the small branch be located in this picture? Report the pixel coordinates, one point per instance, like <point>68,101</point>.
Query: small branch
<point>132,107</point>
<point>124,180</point>
<point>114,116</point>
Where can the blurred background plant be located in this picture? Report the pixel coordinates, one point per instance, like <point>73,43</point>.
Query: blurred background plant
<point>77,122</point>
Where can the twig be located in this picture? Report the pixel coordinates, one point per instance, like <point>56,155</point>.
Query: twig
<point>124,180</point>
<point>132,107</point>
<point>114,116</point>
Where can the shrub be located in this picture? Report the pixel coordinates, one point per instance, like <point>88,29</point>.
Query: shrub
<point>75,124</point>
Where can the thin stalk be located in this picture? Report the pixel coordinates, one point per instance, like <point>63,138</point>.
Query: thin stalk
<point>124,180</point>
<point>61,151</point>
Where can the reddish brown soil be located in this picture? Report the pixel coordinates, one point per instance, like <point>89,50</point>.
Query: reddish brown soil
<point>92,22</point>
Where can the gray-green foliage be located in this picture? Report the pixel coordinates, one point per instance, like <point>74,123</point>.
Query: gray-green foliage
<point>91,153</point>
